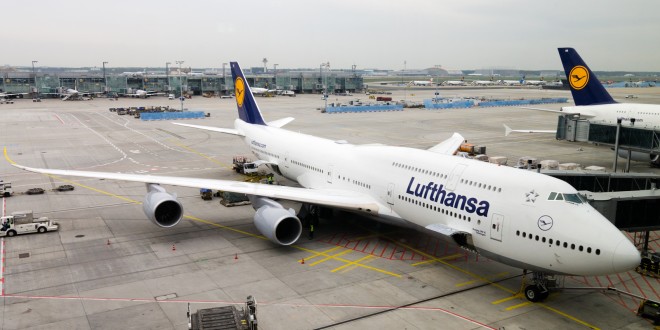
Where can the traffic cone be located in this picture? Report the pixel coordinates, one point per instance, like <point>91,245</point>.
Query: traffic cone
<point>108,242</point>
<point>236,256</point>
<point>173,247</point>
<point>302,262</point>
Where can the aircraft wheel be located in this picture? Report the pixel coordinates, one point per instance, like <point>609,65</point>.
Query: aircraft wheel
<point>533,293</point>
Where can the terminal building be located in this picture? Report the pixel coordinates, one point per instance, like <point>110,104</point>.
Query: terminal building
<point>301,82</point>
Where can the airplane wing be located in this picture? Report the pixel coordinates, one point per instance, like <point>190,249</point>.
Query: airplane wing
<point>508,130</point>
<point>329,197</point>
<point>214,129</point>
<point>449,146</point>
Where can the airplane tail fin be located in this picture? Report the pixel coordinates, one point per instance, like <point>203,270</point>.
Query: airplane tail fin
<point>585,87</point>
<point>248,110</point>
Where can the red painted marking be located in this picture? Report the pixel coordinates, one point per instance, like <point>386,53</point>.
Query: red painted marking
<point>375,246</point>
<point>365,246</point>
<point>637,285</point>
<point>650,286</point>
<point>626,287</point>
<point>598,281</point>
<point>58,118</point>
<point>393,251</point>
<point>384,248</point>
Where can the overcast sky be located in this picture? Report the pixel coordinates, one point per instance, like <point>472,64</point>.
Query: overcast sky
<point>467,34</point>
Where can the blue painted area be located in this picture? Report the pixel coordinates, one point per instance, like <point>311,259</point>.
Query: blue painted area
<point>171,115</point>
<point>429,104</point>
<point>364,108</point>
<point>504,103</point>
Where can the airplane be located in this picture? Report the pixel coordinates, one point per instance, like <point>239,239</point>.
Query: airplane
<point>71,94</point>
<point>511,82</point>
<point>534,82</point>
<point>453,83</point>
<point>12,95</point>
<point>483,83</point>
<point>593,102</point>
<point>520,218</point>
<point>139,93</point>
<point>421,82</point>
<point>263,91</point>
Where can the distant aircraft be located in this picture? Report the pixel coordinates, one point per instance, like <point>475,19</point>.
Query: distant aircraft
<point>594,103</point>
<point>70,94</point>
<point>421,82</point>
<point>517,217</point>
<point>12,95</point>
<point>139,93</point>
<point>483,83</point>
<point>263,91</point>
<point>453,83</point>
<point>534,82</point>
<point>512,82</point>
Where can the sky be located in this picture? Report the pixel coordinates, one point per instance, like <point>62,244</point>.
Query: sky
<point>370,34</point>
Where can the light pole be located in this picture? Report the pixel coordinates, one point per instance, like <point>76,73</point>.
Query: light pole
<point>105,82</point>
<point>34,76</point>
<point>180,84</point>
<point>323,83</point>
<point>224,82</point>
<point>167,76</point>
<point>275,74</point>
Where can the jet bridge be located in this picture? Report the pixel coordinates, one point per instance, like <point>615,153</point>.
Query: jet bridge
<point>571,127</point>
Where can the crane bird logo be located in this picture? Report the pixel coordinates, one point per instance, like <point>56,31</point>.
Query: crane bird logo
<point>545,223</point>
<point>239,90</point>
<point>578,77</point>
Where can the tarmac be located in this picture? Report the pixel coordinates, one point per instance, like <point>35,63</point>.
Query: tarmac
<point>109,267</point>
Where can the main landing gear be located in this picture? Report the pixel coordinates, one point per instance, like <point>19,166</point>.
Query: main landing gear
<point>539,289</point>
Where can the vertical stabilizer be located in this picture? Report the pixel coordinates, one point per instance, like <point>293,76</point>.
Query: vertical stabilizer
<point>585,87</point>
<point>248,110</point>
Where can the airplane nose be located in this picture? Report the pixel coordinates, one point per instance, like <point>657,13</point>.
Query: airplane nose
<point>626,257</point>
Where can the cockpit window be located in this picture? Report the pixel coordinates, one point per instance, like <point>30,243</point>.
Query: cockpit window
<point>571,198</point>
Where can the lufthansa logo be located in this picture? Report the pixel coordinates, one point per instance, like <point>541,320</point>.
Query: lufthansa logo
<point>545,223</point>
<point>578,77</point>
<point>239,90</point>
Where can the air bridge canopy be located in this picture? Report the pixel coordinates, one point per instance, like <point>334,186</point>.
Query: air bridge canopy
<point>630,210</point>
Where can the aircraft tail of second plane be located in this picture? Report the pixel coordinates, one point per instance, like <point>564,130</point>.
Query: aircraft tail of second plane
<point>585,87</point>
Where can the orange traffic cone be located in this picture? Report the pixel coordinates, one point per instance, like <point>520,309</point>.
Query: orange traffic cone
<point>236,256</point>
<point>108,242</point>
<point>302,262</point>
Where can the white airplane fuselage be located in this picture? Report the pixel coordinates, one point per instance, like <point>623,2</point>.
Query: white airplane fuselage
<point>506,212</point>
<point>645,115</point>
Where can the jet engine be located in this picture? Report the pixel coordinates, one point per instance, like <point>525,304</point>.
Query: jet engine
<point>160,207</point>
<point>275,222</point>
<point>640,156</point>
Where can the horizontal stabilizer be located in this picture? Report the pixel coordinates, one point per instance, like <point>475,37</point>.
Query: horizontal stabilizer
<point>280,122</point>
<point>449,146</point>
<point>214,129</point>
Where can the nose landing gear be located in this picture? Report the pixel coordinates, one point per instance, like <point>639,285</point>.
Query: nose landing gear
<point>540,287</point>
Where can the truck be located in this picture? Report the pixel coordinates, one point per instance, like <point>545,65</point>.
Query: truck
<point>5,189</point>
<point>383,98</point>
<point>23,222</point>
<point>244,165</point>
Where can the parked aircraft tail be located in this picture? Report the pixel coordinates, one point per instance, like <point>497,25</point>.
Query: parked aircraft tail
<point>585,87</point>
<point>248,110</point>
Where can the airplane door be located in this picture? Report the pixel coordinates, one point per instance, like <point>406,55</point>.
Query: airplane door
<point>286,159</point>
<point>330,167</point>
<point>455,176</point>
<point>496,227</point>
<point>390,194</point>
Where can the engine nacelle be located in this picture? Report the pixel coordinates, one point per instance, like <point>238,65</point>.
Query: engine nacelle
<point>160,207</point>
<point>275,222</point>
<point>640,156</point>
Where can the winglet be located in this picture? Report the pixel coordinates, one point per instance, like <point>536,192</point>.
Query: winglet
<point>585,87</point>
<point>449,146</point>
<point>248,110</point>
